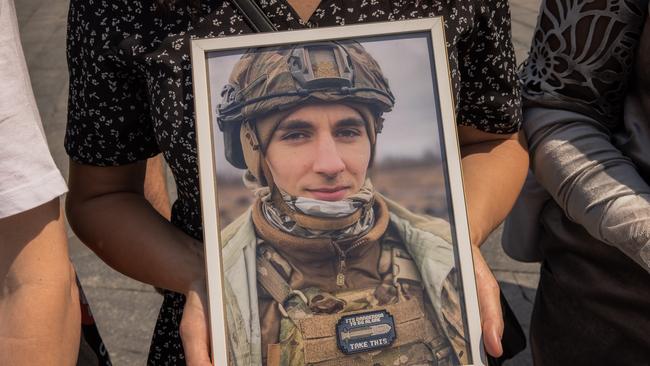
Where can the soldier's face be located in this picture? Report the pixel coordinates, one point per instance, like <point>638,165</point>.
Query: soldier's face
<point>320,151</point>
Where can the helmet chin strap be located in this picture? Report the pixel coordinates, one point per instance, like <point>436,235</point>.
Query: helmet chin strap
<point>306,221</point>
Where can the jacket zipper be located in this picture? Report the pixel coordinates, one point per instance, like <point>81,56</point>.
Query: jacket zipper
<point>340,277</point>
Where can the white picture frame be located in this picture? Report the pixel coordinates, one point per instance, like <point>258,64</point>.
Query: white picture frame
<point>430,35</point>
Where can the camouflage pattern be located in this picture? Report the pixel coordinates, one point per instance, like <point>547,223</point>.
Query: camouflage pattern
<point>275,79</point>
<point>294,353</point>
<point>262,81</point>
<point>428,242</point>
<point>307,337</point>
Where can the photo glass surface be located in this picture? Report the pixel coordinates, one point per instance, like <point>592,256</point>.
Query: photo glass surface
<point>340,238</point>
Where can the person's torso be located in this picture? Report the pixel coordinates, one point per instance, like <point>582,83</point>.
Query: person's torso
<point>152,46</point>
<point>322,323</point>
<point>588,291</point>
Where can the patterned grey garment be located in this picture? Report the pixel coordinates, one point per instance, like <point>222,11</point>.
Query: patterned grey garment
<point>572,64</point>
<point>131,87</point>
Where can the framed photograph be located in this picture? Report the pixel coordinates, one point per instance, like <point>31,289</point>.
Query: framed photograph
<point>334,217</point>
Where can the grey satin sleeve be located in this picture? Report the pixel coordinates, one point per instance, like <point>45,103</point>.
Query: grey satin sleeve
<point>572,156</point>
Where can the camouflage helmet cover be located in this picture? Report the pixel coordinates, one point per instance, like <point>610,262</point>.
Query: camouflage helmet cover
<point>274,79</point>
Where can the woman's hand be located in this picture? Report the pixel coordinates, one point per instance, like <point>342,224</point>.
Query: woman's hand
<point>489,304</point>
<point>494,170</point>
<point>194,326</point>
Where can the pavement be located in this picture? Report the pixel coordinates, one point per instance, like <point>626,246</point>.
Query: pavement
<point>125,309</point>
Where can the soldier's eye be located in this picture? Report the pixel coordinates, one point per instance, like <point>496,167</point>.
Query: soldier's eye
<point>348,133</point>
<point>294,135</point>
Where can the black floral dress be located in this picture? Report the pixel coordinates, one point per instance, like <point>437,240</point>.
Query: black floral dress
<point>131,86</point>
<point>581,56</point>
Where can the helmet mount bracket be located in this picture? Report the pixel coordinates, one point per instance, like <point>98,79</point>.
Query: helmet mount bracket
<point>321,65</point>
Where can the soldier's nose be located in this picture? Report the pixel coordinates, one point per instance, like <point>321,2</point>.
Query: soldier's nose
<point>328,159</point>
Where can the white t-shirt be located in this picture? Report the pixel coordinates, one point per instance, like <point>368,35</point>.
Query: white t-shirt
<point>28,175</point>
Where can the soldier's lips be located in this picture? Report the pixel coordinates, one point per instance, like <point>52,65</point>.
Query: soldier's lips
<point>329,194</point>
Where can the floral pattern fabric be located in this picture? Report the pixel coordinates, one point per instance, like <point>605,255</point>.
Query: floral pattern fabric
<point>131,86</point>
<point>581,56</point>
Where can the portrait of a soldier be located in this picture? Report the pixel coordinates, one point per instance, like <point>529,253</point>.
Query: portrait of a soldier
<point>322,269</point>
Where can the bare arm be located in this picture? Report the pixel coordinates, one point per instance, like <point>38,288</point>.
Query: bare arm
<point>494,170</point>
<point>39,303</point>
<point>155,186</point>
<point>108,211</point>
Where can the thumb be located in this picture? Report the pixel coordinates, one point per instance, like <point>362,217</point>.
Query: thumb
<point>194,331</point>
<point>489,305</point>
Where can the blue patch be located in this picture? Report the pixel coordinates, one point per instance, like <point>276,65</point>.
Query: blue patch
<point>363,332</point>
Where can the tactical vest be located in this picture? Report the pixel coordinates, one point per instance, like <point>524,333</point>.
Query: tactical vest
<point>315,327</point>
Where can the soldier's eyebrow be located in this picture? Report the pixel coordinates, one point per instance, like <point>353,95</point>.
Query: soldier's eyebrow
<point>294,124</point>
<point>299,124</point>
<point>351,122</point>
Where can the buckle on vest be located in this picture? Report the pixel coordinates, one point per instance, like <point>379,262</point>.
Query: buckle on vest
<point>291,294</point>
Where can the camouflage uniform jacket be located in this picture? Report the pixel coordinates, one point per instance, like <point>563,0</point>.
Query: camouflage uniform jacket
<point>427,240</point>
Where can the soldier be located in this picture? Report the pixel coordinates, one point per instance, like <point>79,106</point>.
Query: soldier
<point>342,275</point>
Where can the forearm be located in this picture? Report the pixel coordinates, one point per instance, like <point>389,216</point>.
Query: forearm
<point>591,180</point>
<point>40,323</point>
<point>493,174</point>
<point>123,229</point>
<point>155,186</point>
<point>39,303</point>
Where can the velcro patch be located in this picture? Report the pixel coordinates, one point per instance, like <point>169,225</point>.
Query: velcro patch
<point>363,332</point>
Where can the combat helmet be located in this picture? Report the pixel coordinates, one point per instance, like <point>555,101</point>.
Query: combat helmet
<point>269,80</point>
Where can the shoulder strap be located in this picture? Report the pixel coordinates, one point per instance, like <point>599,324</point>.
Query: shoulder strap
<point>401,264</point>
<point>254,16</point>
<point>279,289</point>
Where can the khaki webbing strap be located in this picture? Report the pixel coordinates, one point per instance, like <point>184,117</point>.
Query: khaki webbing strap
<point>273,355</point>
<point>414,331</point>
<point>411,326</point>
<point>271,280</point>
<point>398,260</point>
<point>321,326</point>
<point>279,289</point>
<point>403,266</point>
<point>356,361</point>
